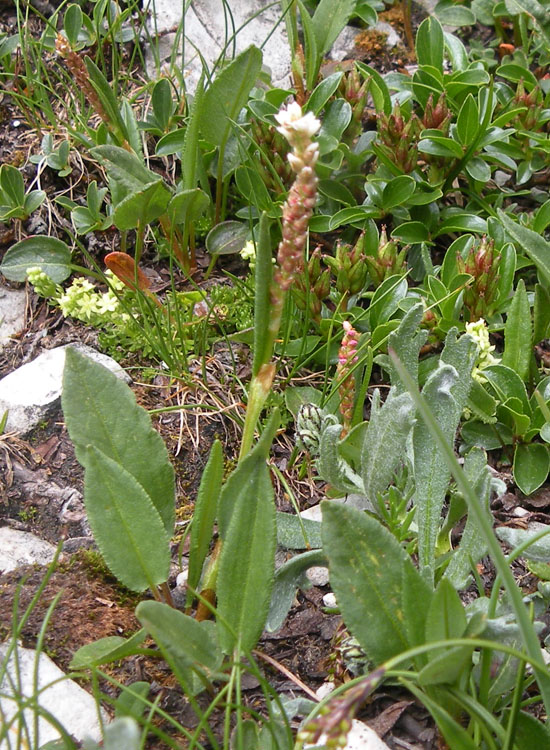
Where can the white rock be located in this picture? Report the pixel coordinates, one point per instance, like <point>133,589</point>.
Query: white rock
<point>70,704</point>
<point>181,578</point>
<point>344,44</point>
<point>360,737</point>
<point>208,29</point>
<point>520,512</point>
<point>33,390</point>
<point>392,37</point>
<point>21,548</point>
<point>325,689</point>
<point>329,600</point>
<point>313,513</point>
<point>318,576</point>
<point>12,313</point>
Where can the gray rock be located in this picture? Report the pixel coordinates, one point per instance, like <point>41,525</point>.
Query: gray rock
<point>32,391</point>
<point>12,313</point>
<point>208,30</point>
<point>70,704</point>
<point>21,548</point>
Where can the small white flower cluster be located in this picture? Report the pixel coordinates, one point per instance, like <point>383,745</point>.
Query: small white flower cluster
<point>43,285</point>
<point>248,253</point>
<point>480,334</point>
<point>298,129</point>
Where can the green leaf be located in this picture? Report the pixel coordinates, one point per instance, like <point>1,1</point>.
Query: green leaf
<point>530,732</point>
<point>106,650</point>
<point>462,223</point>
<point>431,476</point>
<point>161,101</point>
<point>446,667</point>
<point>517,73</point>
<point>126,171</point>
<point>329,19</point>
<point>171,143</point>
<point>450,14</point>
<point>108,100</point>
<point>227,95</point>
<point>506,383</point>
<point>247,559</point>
<point>429,43</point>
<point>539,550</point>
<point>298,533</point>
<point>313,56</point>
<point>378,88</point>
<point>385,442</point>
<point>406,342</point>
<point>322,93</point>
<point>489,436</point>
<point>184,642</point>
<point>531,243</point>
<point>101,410</point>
<point>446,617</point>
<point>126,525</point>
<point>439,145</point>
<point>518,334</point>
<point>204,515</point>
<point>227,238</point>
<point>398,191</point>
<point>478,169</point>
<point>190,153</point>
<point>467,123</point>
<point>263,273</point>
<point>52,256</point>
<point>142,207</point>
<point>411,232</point>
<point>288,578</point>
<point>417,596</point>
<point>386,299</point>
<point>366,573</point>
<point>187,206</point>
<point>455,735</point>
<point>531,466</point>
<point>541,314</point>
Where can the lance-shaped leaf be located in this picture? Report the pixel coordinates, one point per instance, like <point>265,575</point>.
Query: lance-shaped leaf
<point>227,95</point>
<point>366,565</point>
<point>518,333</point>
<point>430,473</point>
<point>472,545</point>
<point>384,446</point>
<point>126,172</point>
<point>187,645</point>
<point>126,525</point>
<point>332,467</point>
<point>101,411</point>
<point>406,341</point>
<point>248,528</point>
<point>204,515</point>
<point>531,243</point>
<point>288,578</point>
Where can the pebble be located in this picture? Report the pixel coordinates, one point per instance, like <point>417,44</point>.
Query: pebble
<point>12,313</point>
<point>22,548</point>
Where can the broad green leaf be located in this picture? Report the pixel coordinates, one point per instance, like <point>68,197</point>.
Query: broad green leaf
<point>518,337</point>
<point>417,595</point>
<point>329,19</point>
<point>411,232</point>
<point>187,206</point>
<point>227,95</point>
<point>331,466</point>
<point>531,466</point>
<point>530,732</point>
<point>505,383</point>
<point>108,100</point>
<point>204,515</point>
<point>288,578</point>
<point>457,51</point>
<point>142,207</point>
<point>489,436</point>
<point>313,56</point>
<point>101,410</point>
<point>377,87</point>
<point>190,147</point>
<point>162,103</point>
<point>294,532</point>
<point>106,650</point>
<point>441,146</point>
<point>398,191</point>
<point>171,143</point>
<point>227,238</point>
<point>52,255</point>
<point>366,573</point>
<point>126,172</point>
<point>429,43</point>
<point>386,299</point>
<point>531,243</point>
<point>462,223</point>
<point>253,188</point>
<point>516,73</point>
<point>450,14</point>
<point>478,169</point>
<point>247,559</point>
<point>178,634</point>
<point>446,667</point>
<point>126,525</point>
<point>446,617</point>
<point>539,550</point>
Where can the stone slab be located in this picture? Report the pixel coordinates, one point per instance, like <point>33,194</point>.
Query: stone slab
<point>360,737</point>
<point>32,391</point>
<point>12,313</point>
<point>208,31</point>
<point>70,704</point>
<point>22,548</point>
